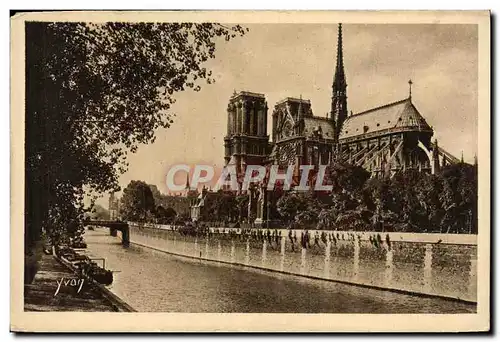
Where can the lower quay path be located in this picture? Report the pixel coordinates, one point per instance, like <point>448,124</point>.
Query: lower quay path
<point>56,288</point>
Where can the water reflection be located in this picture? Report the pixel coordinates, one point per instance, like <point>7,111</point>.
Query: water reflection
<point>155,281</point>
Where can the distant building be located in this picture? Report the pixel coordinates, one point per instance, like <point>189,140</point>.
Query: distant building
<point>180,204</point>
<point>200,206</point>
<point>113,207</point>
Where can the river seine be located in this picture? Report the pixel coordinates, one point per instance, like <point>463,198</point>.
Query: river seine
<point>153,281</point>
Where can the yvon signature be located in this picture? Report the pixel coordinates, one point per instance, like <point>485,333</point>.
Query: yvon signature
<point>73,282</point>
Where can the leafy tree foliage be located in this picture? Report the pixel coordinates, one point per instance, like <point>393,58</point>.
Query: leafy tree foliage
<point>347,178</point>
<point>296,207</point>
<point>459,198</point>
<point>182,218</point>
<point>170,213</point>
<point>419,202</point>
<point>137,202</point>
<point>95,92</point>
<point>409,201</point>
<point>98,212</point>
<point>226,208</point>
<point>242,205</point>
<point>222,206</point>
<point>157,195</point>
<point>165,215</point>
<point>348,199</point>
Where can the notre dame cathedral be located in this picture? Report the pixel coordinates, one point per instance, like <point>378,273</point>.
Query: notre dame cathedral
<point>382,140</point>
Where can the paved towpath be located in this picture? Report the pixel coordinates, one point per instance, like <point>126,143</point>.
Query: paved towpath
<point>40,294</point>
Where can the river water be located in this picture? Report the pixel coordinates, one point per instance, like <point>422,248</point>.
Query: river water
<point>153,281</point>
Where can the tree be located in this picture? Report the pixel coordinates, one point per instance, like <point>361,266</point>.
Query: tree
<point>349,206</point>
<point>99,213</point>
<point>165,215</point>
<point>137,202</point>
<point>326,219</point>
<point>224,206</point>
<point>347,178</point>
<point>412,201</point>
<point>308,218</point>
<point>220,206</point>
<point>292,204</point>
<point>242,205</point>
<point>428,193</point>
<point>157,195</point>
<point>170,213</point>
<point>95,92</point>
<point>182,218</point>
<point>459,198</point>
<point>406,202</point>
<point>381,201</point>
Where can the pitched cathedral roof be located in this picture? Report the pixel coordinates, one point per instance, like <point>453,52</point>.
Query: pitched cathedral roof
<point>400,114</point>
<point>300,109</point>
<point>313,123</point>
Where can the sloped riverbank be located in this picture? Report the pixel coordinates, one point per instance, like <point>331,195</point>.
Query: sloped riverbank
<point>152,280</point>
<point>426,265</point>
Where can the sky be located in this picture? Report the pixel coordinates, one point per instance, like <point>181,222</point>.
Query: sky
<point>293,60</point>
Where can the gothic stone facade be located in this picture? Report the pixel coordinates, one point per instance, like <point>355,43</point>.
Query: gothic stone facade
<point>246,142</point>
<point>382,140</point>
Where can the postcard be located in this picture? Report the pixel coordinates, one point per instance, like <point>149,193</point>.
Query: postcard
<point>250,171</point>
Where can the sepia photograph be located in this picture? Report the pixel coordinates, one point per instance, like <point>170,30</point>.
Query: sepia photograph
<point>212,165</point>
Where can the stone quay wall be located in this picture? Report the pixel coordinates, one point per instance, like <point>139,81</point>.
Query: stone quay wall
<point>424,264</point>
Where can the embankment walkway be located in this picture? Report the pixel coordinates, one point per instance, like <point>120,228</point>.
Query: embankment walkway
<point>40,295</point>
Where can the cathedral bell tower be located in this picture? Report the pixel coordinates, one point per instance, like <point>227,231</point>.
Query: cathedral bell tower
<point>246,141</point>
<point>338,113</point>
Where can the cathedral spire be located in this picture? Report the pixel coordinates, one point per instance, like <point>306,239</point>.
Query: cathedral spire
<point>338,112</point>
<point>187,182</point>
<point>339,70</point>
